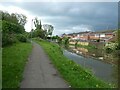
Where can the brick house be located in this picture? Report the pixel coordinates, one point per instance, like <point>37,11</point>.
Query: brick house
<point>104,36</point>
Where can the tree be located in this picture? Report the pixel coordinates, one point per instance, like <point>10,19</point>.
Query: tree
<point>13,18</point>
<point>37,23</point>
<point>76,44</point>
<point>39,32</point>
<point>49,29</point>
<point>66,42</point>
<point>11,28</point>
<point>59,41</point>
<point>22,19</point>
<point>118,38</point>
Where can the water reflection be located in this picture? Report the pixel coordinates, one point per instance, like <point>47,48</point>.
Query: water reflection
<point>103,65</point>
<point>96,53</point>
<point>99,68</point>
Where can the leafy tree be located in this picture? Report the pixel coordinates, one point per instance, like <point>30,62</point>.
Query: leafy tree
<point>13,18</point>
<point>49,29</point>
<point>76,44</point>
<point>22,19</point>
<point>8,27</point>
<point>55,37</point>
<point>60,41</point>
<point>118,39</point>
<point>22,38</point>
<point>38,32</point>
<point>37,23</point>
<point>66,42</point>
<point>12,26</point>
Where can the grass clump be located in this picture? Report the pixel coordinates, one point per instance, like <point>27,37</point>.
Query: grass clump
<point>13,61</point>
<point>74,74</point>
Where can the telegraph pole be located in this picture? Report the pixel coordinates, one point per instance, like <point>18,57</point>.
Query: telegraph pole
<point>31,29</point>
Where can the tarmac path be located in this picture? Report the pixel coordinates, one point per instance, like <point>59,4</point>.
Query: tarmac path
<point>40,73</point>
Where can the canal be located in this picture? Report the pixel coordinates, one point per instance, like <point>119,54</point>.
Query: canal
<point>99,68</point>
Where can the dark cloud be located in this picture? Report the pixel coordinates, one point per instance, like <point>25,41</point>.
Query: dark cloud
<point>65,16</point>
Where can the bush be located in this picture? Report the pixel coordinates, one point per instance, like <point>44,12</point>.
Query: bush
<point>8,39</point>
<point>109,50</point>
<point>9,32</point>
<point>21,38</point>
<point>98,40</point>
<point>9,27</point>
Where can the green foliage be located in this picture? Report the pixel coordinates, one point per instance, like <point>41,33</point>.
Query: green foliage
<point>39,33</point>
<point>76,44</point>
<point>10,18</point>
<point>60,41</point>
<point>15,18</point>
<point>8,39</point>
<point>55,37</point>
<point>8,27</point>
<point>49,29</point>
<point>89,47</point>
<point>109,50</point>
<point>74,74</point>
<point>12,25</point>
<point>66,42</point>
<point>13,61</point>
<point>98,40</point>
<point>9,32</point>
<point>21,19</point>
<point>37,23</point>
<point>118,38</point>
<point>21,38</point>
<point>111,46</point>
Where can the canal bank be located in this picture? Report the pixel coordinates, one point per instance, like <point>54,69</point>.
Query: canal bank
<point>96,53</point>
<point>73,73</point>
<point>99,68</point>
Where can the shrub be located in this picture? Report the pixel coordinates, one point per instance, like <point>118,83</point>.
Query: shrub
<point>9,32</point>
<point>98,40</point>
<point>21,38</point>
<point>109,50</point>
<point>8,39</point>
<point>111,46</point>
<point>9,27</point>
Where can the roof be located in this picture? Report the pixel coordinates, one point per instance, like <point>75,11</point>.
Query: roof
<point>97,32</point>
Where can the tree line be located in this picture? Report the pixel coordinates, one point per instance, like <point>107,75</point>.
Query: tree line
<point>13,28</point>
<point>41,31</point>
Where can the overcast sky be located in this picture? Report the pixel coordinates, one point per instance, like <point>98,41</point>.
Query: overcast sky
<point>68,17</point>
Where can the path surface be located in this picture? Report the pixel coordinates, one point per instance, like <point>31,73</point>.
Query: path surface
<point>40,73</point>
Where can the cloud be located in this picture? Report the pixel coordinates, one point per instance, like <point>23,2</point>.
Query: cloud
<point>14,9</point>
<point>82,28</point>
<point>67,17</point>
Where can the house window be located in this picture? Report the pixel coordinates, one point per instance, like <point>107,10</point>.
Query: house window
<point>81,35</point>
<point>96,35</point>
<point>92,34</point>
<point>102,35</point>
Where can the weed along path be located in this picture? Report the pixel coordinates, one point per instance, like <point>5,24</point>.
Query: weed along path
<point>40,73</point>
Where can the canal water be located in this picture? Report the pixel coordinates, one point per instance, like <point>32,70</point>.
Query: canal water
<point>99,68</point>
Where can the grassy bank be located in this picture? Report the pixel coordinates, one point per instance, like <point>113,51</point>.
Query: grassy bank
<point>13,61</point>
<point>0,68</point>
<point>74,74</point>
<point>89,47</point>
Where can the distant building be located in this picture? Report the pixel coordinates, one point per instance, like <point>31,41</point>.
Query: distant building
<point>104,36</point>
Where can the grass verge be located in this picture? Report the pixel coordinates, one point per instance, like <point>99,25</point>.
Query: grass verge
<point>74,74</point>
<point>0,68</point>
<point>89,47</point>
<point>13,61</point>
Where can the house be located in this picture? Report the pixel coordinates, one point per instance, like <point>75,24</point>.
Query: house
<point>103,36</point>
